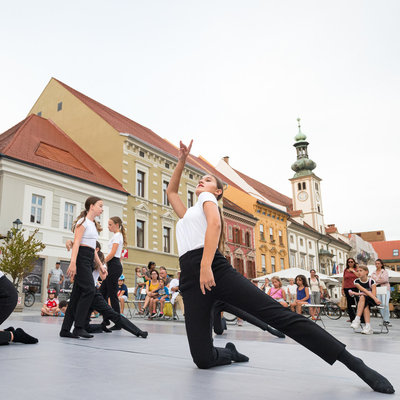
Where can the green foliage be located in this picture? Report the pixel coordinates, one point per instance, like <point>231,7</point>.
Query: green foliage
<point>18,255</point>
<point>395,297</point>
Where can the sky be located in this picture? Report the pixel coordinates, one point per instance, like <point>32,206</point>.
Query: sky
<point>234,76</point>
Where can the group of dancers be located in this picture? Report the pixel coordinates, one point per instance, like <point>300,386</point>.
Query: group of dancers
<point>208,284</point>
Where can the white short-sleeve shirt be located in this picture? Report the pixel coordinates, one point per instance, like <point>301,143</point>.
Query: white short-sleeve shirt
<point>191,229</point>
<point>90,235</point>
<point>116,238</point>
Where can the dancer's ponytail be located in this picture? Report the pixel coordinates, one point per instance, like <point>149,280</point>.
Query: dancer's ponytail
<point>92,200</point>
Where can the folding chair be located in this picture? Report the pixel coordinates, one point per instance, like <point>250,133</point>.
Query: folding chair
<point>131,292</point>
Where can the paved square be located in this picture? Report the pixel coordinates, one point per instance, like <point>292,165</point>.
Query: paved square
<point>119,365</point>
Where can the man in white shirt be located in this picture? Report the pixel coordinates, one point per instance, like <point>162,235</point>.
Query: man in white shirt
<point>55,278</point>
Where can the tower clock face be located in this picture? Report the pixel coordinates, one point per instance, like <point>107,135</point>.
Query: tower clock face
<point>302,196</point>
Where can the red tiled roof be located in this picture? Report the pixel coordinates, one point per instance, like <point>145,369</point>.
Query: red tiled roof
<point>331,229</point>
<point>385,249</point>
<point>271,194</point>
<point>39,141</point>
<point>295,213</point>
<point>123,124</point>
<point>234,207</point>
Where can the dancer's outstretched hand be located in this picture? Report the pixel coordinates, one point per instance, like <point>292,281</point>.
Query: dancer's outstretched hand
<point>184,150</point>
<point>206,279</point>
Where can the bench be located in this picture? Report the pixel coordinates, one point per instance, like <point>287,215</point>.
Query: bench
<point>318,311</point>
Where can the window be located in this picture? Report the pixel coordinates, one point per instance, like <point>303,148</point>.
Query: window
<point>236,235</point>
<point>69,213</point>
<point>141,153</point>
<point>264,270</point>
<point>37,209</point>
<point>140,183</point>
<point>140,234</point>
<point>302,261</point>
<point>59,106</point>
<point>273,263</point>
<point>396,252</point>
<point>311,262</point>
<point>301,242</point>
<point>280,238</point>
<point>230,235</point>
<point>282,263</point>
<point>316,186</point>
<point>319,208</point>
<point>190,176</point>
<point>167,240</point>
<point>271,234</point>
<point>239,265</point>
<point>247,239</point>
<point>291,239</point>
<point>167,165</point>
<point>299,186</point>
<point>251,269</point>
<point>164,189</point>
<point>309,245</point>
<point>304,185</point>
<point>190,198</point>
<point>262,232</point>
<point>292,260</point>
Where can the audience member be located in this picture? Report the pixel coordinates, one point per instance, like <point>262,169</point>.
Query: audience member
<point>151,288</point>
<point>303,294</point>
<point>63,308</point>
<point>164,276</point>
<point>122,293</point>
<point>176,297</point>
<point>276,292</point>
<point>55,278</point>
<point>161,297</point>
<point>50,307</point>
<point>291,290</point>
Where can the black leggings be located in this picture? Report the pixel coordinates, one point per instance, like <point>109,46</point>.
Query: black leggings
<point>109,287</point>
<point>83,291</point>
<point>8,301</point>
<point>351,302</point>
<point>235,289</point>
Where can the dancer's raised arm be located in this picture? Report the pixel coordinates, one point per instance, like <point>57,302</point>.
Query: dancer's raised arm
<point>173,186</point>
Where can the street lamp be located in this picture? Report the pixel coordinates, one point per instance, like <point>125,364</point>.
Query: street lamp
<point>17,224</point>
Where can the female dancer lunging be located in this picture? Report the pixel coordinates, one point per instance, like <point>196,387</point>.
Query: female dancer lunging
<point>207,277</point>
<point>80,268</point>
<point>109,287</point>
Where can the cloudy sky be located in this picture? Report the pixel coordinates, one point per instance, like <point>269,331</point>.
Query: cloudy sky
<point>234,76</point>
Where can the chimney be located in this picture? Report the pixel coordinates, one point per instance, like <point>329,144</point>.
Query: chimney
<point>226,159</point>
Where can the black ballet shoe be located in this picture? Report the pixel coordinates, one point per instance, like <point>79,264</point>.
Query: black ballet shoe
<point>116,327</point>
<point>105,329</point>
<point>10,329</point>
<point>94,328</point>
<point>68,334</point>
<point>275,332</point>
<point>20,336</point>
<point>82,333</point>
<point>373,379</point>
<point>236,356</point>
<point>132,328</point>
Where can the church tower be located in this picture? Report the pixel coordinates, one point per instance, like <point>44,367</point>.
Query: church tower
<point>306,186</point>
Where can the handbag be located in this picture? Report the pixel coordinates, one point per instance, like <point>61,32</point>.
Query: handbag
<point>168,311</point>
<point>343,303</point>
<point>143,291</point>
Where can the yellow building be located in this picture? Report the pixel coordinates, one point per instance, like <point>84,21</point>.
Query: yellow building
<point>138,158</point>
<point>271,229</point>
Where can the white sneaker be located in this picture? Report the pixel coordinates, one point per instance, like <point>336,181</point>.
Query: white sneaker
<point>367,331</point>
<point>355,324</point>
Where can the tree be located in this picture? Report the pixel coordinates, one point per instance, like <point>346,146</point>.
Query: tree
<point>18,255</point>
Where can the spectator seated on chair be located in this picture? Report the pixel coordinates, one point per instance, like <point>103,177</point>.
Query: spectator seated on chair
<point>366,298</point>
<point>303,294</point>
<point>50,307</point>
<point>277,292</point>
<point>151,289</point>
<point>162,297</point>
<point>176,297</point>
<point>122,293</point>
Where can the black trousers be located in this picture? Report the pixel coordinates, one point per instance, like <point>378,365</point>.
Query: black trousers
<point>233,288</point>
<point>8,301</point>
<point>83,290</point>
<point>351,301</point>
<point>220,306</point>
<point>109,287</point>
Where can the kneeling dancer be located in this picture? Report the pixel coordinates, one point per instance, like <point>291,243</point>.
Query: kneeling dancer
<point>8,301</point>
<point>206,276</point>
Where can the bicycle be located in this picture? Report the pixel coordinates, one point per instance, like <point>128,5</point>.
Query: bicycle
<point>29,298</point>
<point>331,309</point>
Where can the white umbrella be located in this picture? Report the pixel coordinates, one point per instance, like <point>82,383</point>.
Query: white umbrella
<point>293,272</point>
<point>394,277</point>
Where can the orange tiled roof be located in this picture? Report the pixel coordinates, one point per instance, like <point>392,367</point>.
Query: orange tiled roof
<point>271,194</point>
<point>234,207</point>
<point>39,141</point>
<point>295,213</point>
<point>385,249</point>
